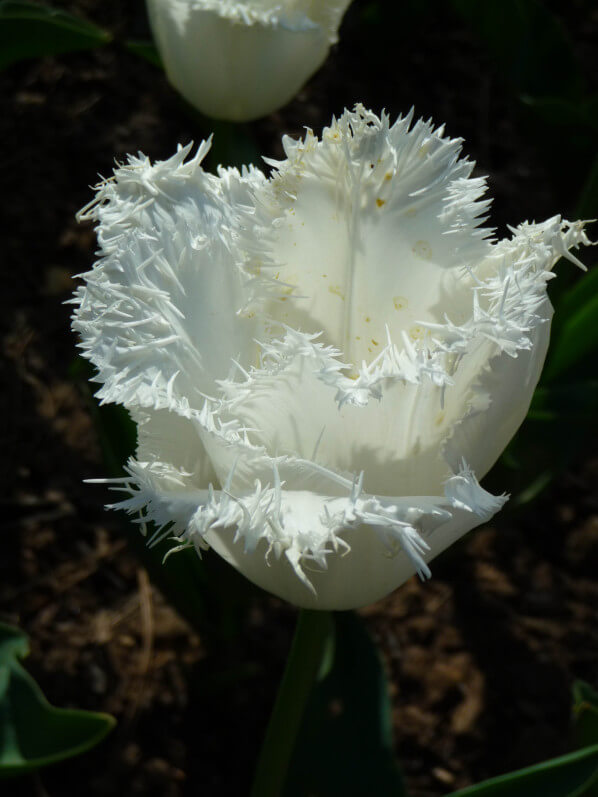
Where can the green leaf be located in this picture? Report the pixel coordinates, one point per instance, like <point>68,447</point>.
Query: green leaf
<point>567,776</point>
<point>314,634</point>
<point>32,732</point>
<point>585,722</point>
<point>29,30</point>
<point>146,50</point>
<point>561,420</point>
<point>568,405</point>
<point>345,745</point>
<point>562,112</point>
<point>585,713</point>
<point>575,331</point>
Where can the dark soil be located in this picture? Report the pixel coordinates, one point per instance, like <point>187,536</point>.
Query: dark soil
<point>480,659</point>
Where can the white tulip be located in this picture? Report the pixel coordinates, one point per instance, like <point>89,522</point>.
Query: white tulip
<point>321,363</point>
<point>243,60</point>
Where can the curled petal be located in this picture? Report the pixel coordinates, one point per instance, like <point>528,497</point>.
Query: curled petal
<point>314,550</point>
<point>160,314</point>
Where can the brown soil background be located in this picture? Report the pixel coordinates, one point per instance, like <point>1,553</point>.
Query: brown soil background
<point>480,659</point>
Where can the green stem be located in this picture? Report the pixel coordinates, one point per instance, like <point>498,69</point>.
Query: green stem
<point>313,631</point>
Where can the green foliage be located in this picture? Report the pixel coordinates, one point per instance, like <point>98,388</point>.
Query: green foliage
<point>575,328</point>
<point>32,732</point>
<point>585,722</point>
<point>585,713</point>
<point>561,420</point>
<point>534,56</point>
<point>574,403</point>
<point>307,660</point>
<point>347,719</point>
<point>567,776</point>
<point>564,412</point>
<point>29,30</point>
<point>146,50</point>
<point>563,112</point>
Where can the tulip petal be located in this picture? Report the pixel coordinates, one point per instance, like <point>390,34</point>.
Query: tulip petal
<point>171,441</point>
<point>376,224</point>
<point>501,349</point>
<point>289,409</point>
<point>314,550</point>
<point>240,61</point>
<point>159,313</point>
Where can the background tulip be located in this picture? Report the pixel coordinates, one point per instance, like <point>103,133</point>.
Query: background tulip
<point>321,364</point>
<point>242,60</point>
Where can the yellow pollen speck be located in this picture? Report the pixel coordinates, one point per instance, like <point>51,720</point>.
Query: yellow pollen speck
<point>380,202</point>
<point>336,290</point>
<point>324,275</point>
<point>375,342</point>
<point>368,319</point>
<point>357,337</point>
<point>422,249</point>
<point>400,302</point>
<point>416,333</point>
<point>277,275</point>
<point>439,418</point>
<point>410,212</point>
<point>388,176</point>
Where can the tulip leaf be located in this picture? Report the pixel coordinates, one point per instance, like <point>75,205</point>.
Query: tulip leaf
<point>528,44</point>
<point>567,776</point>
<point>32,732</point>
<point>560,111</point>
<point>585,713</point>
<point>344,744</point>
<point>575,330</point>
<point>29,30</point>
<point>576,404</point>
<point>561,419</point>
<point>146,50</point>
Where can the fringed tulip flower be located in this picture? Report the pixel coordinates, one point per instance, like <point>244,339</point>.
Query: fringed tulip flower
<point>321,363</point>
<point>242,60</point>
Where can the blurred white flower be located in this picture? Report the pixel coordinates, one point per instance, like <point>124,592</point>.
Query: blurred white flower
<point>242,60</point>
<point>321,364</point>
